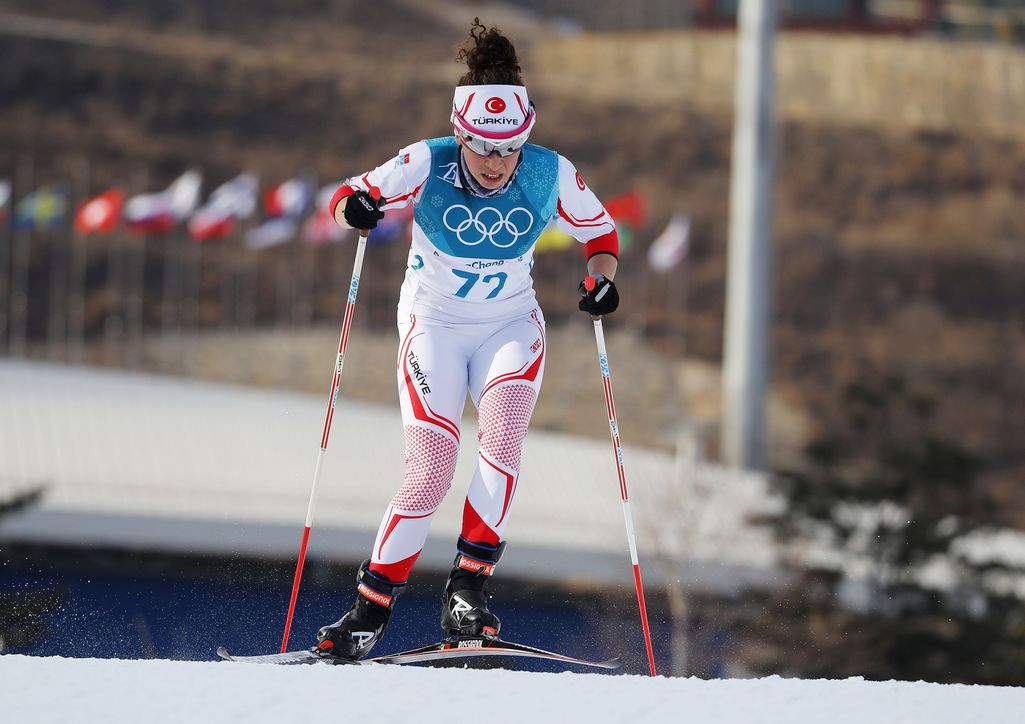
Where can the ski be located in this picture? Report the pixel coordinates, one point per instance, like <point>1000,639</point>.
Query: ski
<point>288,658</point>
<point>463,647</point>
<point>472,646</point>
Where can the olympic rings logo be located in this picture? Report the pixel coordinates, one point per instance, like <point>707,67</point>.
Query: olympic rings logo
<point>488,224</point>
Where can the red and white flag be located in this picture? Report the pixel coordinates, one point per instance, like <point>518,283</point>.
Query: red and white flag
<point>160,212</point>
<point>324,196</point>
<point>290,199</point>
<point>320,228</point>
<point>100,214</point>
<point>229,202</point>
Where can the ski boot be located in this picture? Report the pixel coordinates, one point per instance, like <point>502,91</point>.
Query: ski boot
<point>464,610</point>
<point>357,631</point>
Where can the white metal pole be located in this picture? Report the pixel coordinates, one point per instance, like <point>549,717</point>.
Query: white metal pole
<point>745,358</point>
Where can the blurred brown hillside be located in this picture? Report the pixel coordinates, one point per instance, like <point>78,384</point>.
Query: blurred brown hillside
<point>897,251</point>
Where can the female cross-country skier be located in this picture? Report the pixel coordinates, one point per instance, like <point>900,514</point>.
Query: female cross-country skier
<point>468,319</point>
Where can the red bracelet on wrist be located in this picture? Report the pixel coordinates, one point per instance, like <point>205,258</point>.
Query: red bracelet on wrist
<point>342,192</point>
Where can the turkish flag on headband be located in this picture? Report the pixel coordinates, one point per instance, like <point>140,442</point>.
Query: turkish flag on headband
<point>100,213</point>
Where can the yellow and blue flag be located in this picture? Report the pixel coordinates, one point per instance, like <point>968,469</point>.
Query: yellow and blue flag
<point>44,208</point>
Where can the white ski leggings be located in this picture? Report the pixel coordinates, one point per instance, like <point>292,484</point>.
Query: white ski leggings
<point>501,364</point>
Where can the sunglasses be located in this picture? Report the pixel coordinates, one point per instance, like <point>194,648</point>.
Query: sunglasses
<point>504,145</point>
<point>485,147</point>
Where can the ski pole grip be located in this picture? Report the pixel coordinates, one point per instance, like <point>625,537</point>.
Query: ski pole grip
<point>589,284</point>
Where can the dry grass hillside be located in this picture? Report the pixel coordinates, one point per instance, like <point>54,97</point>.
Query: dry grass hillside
<point>896,252</point>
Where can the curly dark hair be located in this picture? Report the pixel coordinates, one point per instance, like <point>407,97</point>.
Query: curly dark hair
<point>490,57</point>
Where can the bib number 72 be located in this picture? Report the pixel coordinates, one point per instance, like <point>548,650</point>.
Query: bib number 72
<point>472,278</point>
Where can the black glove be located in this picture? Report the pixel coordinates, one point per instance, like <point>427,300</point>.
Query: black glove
<point>362,211</point>
<point>598,296</point>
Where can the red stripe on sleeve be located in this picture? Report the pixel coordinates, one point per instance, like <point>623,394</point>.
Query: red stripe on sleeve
<point>396,199</point>
<point>593,221</point>
<point>604,244</point>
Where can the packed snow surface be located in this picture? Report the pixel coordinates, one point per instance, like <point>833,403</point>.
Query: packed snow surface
<point>107,690</point>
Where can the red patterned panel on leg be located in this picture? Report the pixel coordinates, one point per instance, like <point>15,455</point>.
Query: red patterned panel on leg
<point>430,467</point>
<point>398,571</point>
<point>475,529</point>
<point>504,417</point>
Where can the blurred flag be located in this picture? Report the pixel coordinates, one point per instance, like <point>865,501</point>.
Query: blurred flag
<point>625,234</point>
<point>394,226</point>
<point>184,194</point>
<point>100,213</point>
<point>320,228</point>
<point>271,233</point>
<point>553,239</point>
<point>629,211</point>
<point>44,208</point>
<point>5,199</point>
<point>324,196</point>
<point>628,208</point>
<point>235,199</point>
<point>670,247</point>
<point>160,212</point>
<point>292,198</point>
<point>284,205</point>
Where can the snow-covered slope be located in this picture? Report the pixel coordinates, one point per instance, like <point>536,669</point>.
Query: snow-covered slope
<point>113,691</point>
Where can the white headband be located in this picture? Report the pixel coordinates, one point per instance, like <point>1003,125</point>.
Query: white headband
<point>493,112</point>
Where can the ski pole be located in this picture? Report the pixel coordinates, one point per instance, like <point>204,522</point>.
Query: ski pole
<point>343,342</point>
<point>606,376</point>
